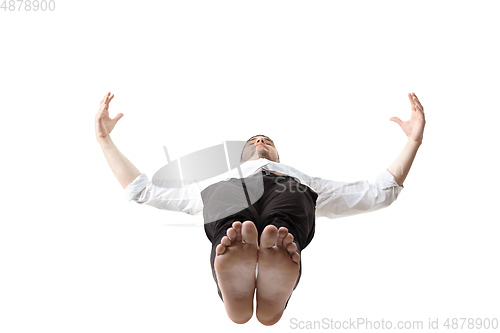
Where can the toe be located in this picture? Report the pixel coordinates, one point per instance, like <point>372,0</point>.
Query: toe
<point>268,237</point>
<point>282,232</point>
<point>237,228</point>
<point>231,233</point>
<point>287,240</point>
<point>291,248</point>
<point>249,232</point>
<point>296,257</point>
<point>225,241</point>
<point>220,249</point>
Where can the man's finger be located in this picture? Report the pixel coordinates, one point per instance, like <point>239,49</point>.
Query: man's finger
<point>118,116</point>
<point>415,104</point>
<point>418,103</point>
<point>418,107</point>
<point>106,104</point>
<point>105,98</point>
<point>396,120</point>
<point>414,107</point>
<point>410,97</point>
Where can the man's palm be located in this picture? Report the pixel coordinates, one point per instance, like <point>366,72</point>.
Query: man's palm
<point>414,127</point>
<point>104,124</point>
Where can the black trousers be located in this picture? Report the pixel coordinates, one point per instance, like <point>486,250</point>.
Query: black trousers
<point>285,202</point>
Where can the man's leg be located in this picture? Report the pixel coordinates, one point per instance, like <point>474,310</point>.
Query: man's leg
<point>234,249</point>
<point>287,222</point>
<point>277,275</point>
<point>235,263</point>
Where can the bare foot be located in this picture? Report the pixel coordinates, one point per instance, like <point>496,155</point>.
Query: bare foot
<point>235,262</point>
<point>277,275</point>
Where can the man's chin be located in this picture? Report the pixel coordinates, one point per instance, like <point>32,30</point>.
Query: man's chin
<point>265,155</point>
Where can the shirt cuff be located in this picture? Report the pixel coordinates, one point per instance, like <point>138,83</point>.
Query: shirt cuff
<point>386,180</point>
<point>136,187</point>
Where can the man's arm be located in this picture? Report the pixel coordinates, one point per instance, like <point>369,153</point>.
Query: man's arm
<point>339,199</point>
<point>136,184</point>
<point>122,168</point>
<point>414,130</point>
<point>401,165</point>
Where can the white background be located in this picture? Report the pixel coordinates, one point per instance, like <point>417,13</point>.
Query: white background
<point>321,79</point>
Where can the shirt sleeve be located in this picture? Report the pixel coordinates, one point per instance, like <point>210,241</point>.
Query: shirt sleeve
<point>340,199</point>
<point>186,199</point>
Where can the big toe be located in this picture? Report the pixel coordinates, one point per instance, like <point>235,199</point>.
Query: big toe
<point>249,232</point>
<point>268,237</point>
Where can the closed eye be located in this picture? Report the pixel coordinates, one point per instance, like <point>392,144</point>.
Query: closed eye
<point>267,142</point>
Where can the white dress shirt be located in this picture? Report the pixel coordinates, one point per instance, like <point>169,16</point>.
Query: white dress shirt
<point>335,199</point>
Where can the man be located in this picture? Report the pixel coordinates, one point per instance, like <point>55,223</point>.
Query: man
<point>257,249</point>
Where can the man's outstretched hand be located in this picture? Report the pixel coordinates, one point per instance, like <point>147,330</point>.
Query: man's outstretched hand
<point>414,127</point>
<point>103,123</point>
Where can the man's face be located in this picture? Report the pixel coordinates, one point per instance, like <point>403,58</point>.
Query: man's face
<point>260,146</point>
